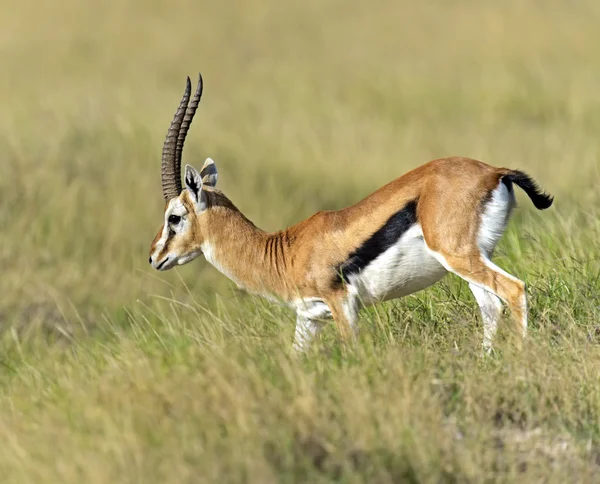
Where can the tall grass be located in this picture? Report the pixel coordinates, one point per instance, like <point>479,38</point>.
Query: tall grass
<point>111,372</point>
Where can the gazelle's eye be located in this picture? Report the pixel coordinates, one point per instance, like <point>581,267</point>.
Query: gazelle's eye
<point>174,219</point>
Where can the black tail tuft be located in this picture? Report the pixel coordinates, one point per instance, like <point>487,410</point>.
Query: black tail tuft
<point>540,199</point>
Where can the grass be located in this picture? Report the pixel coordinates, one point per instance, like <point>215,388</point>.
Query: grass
<point>111,372</point>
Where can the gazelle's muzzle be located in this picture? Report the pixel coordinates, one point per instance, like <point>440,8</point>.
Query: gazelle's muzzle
<point>159,253</point>
<point>162,264</point>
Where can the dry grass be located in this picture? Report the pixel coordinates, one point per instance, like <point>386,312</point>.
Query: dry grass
<point>113,373</point>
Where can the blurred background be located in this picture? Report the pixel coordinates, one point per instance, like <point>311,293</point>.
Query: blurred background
<point>299,98</point>
<point>308,105</point>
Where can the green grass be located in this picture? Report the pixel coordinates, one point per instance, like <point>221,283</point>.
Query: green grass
<point>112,372</point>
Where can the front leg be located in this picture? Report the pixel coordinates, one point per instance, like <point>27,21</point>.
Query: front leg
<point>310,313</point>
<point>306,331</point>
<point>344,309</point>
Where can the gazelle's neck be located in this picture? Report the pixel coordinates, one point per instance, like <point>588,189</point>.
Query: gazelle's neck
<point>255,260</point>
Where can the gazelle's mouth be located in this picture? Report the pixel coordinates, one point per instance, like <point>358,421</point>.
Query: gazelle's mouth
<point>162,264</point>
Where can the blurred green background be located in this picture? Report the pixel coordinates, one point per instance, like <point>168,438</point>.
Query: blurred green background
<point>307,105</point>
<point>300,97</point>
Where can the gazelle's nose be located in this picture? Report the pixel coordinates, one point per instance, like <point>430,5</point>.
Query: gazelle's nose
<point>150,260</point>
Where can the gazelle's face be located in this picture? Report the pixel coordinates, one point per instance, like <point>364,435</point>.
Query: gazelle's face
<point>181,236</point>
<point>179,239</point>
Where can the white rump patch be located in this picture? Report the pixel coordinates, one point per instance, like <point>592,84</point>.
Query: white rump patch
<point>494,218</point>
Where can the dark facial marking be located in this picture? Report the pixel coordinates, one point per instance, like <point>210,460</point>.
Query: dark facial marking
<point>191,181</point>
<point>378,243</point>
<point>166,247</point>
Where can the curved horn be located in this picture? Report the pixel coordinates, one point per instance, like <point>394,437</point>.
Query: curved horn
<point>185,125</point>
<point>171,175</point>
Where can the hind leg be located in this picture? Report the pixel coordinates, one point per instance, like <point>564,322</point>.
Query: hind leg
<point>461,231</point>
<point>512,291</point>
<point>479,271</point>
<point>491,311</point>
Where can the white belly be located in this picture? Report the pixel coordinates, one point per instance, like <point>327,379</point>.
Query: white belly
<point>406,267</point>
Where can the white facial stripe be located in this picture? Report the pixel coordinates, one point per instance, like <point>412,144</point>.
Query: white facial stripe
<point>173,208</point>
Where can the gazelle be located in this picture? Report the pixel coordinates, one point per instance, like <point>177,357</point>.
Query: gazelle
<point>444,216</point>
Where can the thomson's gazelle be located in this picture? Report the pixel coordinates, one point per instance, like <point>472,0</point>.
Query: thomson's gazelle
<point>444,216</point>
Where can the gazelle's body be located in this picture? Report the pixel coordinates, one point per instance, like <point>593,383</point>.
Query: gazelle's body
<point>444,216</point>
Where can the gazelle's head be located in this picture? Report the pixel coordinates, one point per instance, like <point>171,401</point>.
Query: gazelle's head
<point>180,238</point>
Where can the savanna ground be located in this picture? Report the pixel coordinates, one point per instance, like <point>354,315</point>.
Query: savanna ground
<point>111,372</point>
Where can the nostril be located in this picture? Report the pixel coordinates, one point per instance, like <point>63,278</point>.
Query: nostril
<point>150,260</point>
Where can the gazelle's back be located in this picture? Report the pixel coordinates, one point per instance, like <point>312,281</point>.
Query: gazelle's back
<point>389,226</point>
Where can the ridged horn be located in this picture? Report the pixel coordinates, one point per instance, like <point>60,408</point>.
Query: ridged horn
<point>185,125</point>
<point>170,173</point>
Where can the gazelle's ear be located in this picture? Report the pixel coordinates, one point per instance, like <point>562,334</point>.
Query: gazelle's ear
<point>208,173</point>
<point>193,182</point>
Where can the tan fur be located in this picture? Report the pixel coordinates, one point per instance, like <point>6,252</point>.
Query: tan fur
<point>301,261</point>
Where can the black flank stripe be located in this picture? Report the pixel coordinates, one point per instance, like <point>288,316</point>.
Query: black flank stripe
<point>379,242</point>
